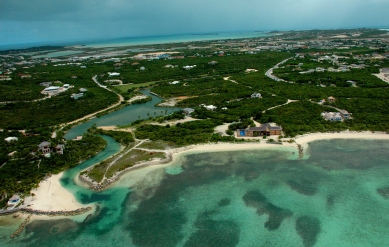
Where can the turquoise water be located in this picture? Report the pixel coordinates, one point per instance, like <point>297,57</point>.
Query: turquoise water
<point>337,197</point>
<point>150,40</point>
<point>146,40</point>
<point>123,116</point>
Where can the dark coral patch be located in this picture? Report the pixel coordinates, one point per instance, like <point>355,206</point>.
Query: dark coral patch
<point>384,192</point>
<point>304,187</point>
<point>224,202</point>
<point>214,233</point>
<point>276,214</point>
<point>308,228</point>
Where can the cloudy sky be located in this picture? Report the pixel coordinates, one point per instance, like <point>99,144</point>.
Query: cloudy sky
<point>24,21</point>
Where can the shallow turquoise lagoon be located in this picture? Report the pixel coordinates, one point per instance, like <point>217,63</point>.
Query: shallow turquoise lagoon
<point>339,196</point>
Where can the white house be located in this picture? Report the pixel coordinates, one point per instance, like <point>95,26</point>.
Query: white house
<point>113,73</point>
<point>332,116</point>
<point>188,67</point>
<point>211,107</point>
<point>256,95</point>
<point>51,89</point>
<point>174,82</point>
<point>11,138</point>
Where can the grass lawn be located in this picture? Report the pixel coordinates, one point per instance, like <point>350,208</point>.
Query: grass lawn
<point>162,145</point>
<point>98,171</point>
<point>131,158</point>
<point>124,88</point>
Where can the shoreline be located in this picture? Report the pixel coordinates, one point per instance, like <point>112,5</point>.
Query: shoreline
<point>51,196</point>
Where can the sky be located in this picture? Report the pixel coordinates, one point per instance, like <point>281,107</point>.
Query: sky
<point>24,21</point>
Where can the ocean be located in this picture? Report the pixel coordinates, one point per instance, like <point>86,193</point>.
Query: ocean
<point>145,40</point>
<point>338,196</point>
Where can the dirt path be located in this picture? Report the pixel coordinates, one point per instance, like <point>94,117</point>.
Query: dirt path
<point>121,156</point>
<point>289,101</point>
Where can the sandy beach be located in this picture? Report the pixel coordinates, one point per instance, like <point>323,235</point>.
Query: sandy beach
<point>51,196</point>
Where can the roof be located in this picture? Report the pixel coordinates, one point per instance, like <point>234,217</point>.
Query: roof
<point>44,144</point>
<point>265,127</point>
<point>11,138</point>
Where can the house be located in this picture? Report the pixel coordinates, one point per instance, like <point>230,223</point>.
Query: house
<point>51,89</point>
<point>83,90</point>
<point>266,129</point>
<point>45,84</point>
<point>211,107</point>
<point>74,77</point>
<point>23,76</point>
<point>332,116</point>
<point>11,139</point>
<point>256,95</point>
<point>188,111</point>
<point>142,68</point>
<point>174,82</point>
<point>331,99</point>
<point>188,67</point>
<point>77,95</point>
<point>59,148</point>
<point>212,63</point>
<point>345,114</point>
<point>14,200</point>
<point>45,147</point>
<point>113,74</point>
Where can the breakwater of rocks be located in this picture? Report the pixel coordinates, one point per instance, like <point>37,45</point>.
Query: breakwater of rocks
<point>47,213</point>
<point>301,151</point>
<point>57,213</point>
<point>21,227</point>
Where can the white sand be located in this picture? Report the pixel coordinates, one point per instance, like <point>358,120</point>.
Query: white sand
<point>51,196</point>
<point>343,135</point>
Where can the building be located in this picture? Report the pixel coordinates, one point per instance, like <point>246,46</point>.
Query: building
<point>83,90</point>
<point>209,107</point>
<point>174,82</point>
<point>14,200</point>
<point>188,111</point>
<point>59,148</point>
<point>45,147</point>
<point>345,114</point>
<point>46,84</point>
<point>266,129</point>
<point>77,95</point>
<point>11,139</point>
<point>256,95</point>
<point>332,116</point>
<point>331,99</point>
<point>51,89</point>
<point>23,76</point>
<point>113,74</point>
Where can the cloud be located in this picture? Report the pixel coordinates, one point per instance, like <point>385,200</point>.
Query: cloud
<point>107,18</point>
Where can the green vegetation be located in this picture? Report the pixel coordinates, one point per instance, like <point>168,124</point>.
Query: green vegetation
<point>162,145</point>
<point>126,87</point>
<point>131,158</point>
<point>301,117</point>
<point>181,134</point>
<point>99,170</point>
<point>23,171</point>
<point>124,138</point>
